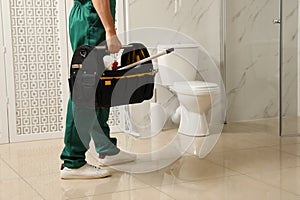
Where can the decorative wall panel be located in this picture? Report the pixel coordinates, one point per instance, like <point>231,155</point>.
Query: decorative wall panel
<point>37,63</point>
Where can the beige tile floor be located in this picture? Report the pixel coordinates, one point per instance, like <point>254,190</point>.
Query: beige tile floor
<point>249,161</point>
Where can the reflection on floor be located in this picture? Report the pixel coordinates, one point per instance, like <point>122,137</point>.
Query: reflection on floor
<point>250,162</point>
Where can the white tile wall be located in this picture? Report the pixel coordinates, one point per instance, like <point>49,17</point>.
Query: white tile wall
<point>199,20</point>
<point>290,57</point>
<point>252,67</point>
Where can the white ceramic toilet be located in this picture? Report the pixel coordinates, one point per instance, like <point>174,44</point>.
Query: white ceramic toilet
<point>178,73</point>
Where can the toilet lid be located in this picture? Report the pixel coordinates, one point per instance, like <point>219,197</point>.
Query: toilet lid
<point>194,87</point>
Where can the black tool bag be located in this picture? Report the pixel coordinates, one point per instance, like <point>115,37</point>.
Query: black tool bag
<point>91,86</point>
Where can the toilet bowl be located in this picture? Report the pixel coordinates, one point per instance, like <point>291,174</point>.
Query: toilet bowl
<point>195,99</point>
<point>177,72</point>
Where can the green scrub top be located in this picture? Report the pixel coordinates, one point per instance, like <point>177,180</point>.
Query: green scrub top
<point>85,27</point>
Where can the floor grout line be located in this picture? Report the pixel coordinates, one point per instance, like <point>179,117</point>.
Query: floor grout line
<point>278,187</point>
<point>22,178</point>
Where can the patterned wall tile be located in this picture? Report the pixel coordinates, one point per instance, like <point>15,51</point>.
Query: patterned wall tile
<point>37,61</point>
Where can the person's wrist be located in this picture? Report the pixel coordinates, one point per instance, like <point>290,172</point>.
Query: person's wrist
<point>111,32</point>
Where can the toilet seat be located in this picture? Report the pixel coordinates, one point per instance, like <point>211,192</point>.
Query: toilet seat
<point>194,87</point>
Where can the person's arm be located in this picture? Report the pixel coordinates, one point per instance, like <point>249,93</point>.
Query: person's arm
<point>103,9</point>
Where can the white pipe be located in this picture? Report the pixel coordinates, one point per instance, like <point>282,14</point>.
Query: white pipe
<point>176,7</point>
<point>176,116</point>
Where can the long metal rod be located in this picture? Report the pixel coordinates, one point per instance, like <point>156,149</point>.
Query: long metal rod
<point>147,59</point>
<point>105,47</point>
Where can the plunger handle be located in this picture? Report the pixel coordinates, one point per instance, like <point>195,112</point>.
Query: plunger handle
<point>167,51</point>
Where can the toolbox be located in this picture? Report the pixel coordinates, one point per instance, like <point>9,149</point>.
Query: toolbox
<point>131,82</point>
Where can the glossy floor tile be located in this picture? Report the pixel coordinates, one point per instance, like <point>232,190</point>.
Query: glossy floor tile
<point>186,169</point>
<point>287,179</point>
<point>144,194</point>
<point>250,161</point>
<point>71,189</point>
<point>293,149</point>
<point>6,172</point>
<point>30,159</point>
<point>147,144</point>
<point>227,188</point>
<point>233,141</point>
<point>17,189</point>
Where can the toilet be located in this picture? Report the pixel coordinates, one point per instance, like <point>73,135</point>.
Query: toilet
<point>178,74</point>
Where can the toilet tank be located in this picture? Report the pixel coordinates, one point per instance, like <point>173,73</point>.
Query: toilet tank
<point>180,65</point>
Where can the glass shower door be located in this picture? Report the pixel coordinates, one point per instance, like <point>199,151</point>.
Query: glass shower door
<point>252,63</point>
<point>289,69</point>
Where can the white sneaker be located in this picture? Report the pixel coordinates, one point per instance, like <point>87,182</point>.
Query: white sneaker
<point>120,158</point>
<point>87,171</point>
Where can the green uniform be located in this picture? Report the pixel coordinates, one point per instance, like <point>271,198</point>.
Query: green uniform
<point>85,28</point>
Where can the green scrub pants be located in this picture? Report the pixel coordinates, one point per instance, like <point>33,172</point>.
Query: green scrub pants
<point>85,28</point>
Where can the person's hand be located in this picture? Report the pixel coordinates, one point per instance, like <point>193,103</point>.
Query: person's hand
<point>113,43</point>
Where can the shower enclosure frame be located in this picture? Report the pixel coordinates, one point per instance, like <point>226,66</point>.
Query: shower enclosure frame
<point>279,22</point>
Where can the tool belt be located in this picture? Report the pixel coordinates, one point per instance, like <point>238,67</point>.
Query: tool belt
<point>91,86</point>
